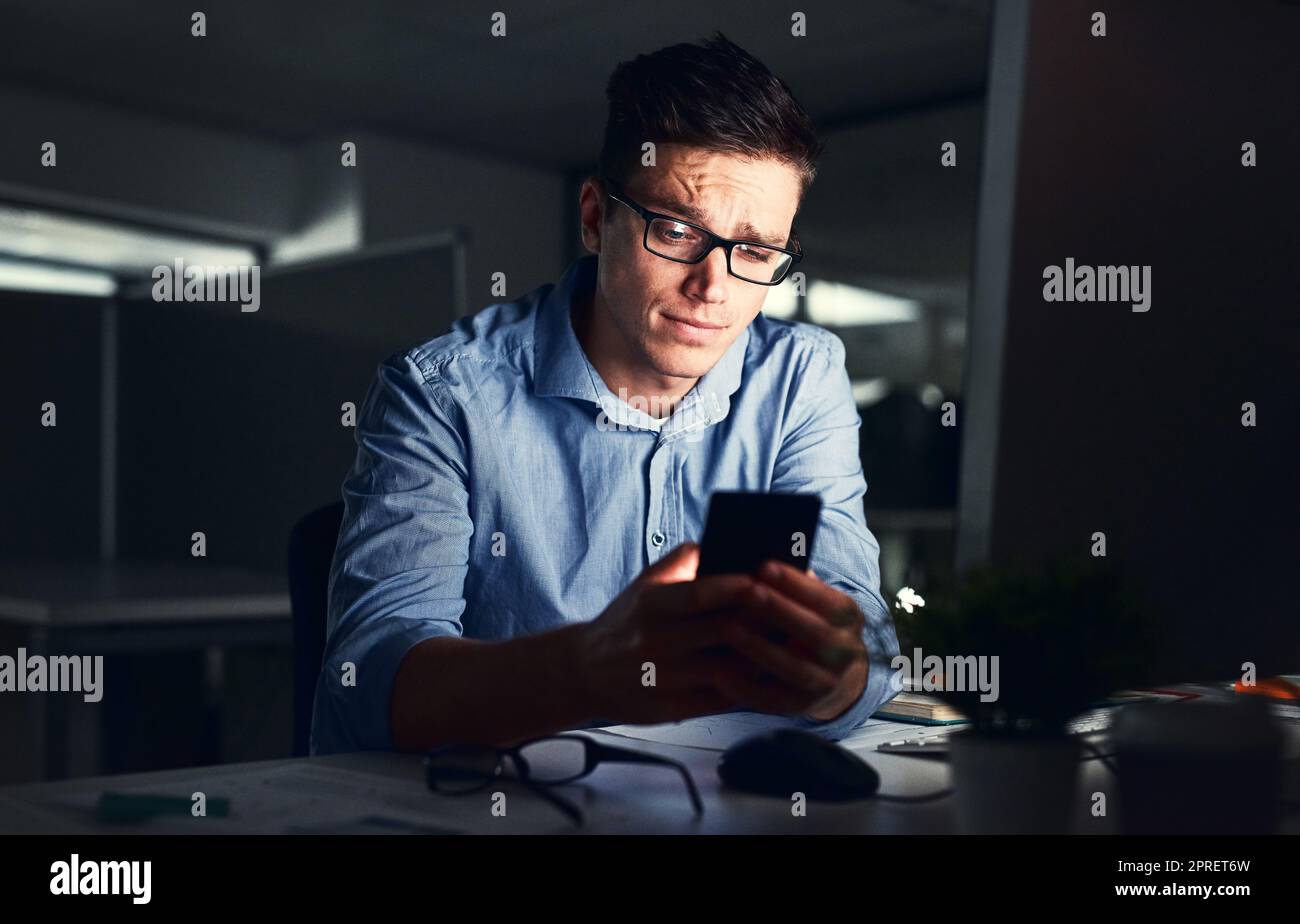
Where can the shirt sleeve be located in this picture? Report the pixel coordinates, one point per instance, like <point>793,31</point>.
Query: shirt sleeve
<point>399,568</point>
<point>820,454</point>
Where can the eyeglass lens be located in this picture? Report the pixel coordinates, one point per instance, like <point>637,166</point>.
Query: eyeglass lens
<point>752,262</point>
<point>555,760</point>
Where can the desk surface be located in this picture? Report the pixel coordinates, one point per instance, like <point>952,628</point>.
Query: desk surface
<point>306,793</point>
<point>81,594</point>
<point>325,794</point>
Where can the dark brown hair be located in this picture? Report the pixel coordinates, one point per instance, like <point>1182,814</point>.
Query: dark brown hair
<point>713,95</point>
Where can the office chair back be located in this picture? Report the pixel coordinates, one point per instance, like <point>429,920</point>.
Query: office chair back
<point>311,551</point>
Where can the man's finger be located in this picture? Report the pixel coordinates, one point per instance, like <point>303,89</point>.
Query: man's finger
<point>681,637</point>
<point>738,678</point>
<point>833,605</point>
<point>735,677</point>
<point>681,564</point>
<point>801,624</point>
<point>683,599</point>
<point>705,668</point>
<point>796,671</point>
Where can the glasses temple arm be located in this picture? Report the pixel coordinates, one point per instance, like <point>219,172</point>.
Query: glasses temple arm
<point>613,754</point>
<point>573,813</point>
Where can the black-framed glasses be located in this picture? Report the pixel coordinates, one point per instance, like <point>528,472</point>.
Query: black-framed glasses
<point>683,241</point>
<point>538,763</point>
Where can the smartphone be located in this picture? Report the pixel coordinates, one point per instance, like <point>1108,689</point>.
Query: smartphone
<point>744,529</point>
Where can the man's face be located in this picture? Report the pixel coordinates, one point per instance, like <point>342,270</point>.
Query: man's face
<point>678,319</point>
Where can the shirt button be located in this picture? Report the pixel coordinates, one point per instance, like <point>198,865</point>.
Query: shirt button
<point>657,539</point>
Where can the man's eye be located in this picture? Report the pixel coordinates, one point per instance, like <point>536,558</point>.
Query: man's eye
<point>677,234</point>
<point>758,254</point>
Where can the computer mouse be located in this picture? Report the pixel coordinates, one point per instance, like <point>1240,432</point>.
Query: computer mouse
<point>788,760</point>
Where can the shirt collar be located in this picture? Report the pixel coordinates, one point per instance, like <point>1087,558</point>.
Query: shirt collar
<point>562,369</point>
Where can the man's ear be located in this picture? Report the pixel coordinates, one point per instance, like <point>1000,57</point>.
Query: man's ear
<point>591,206</point>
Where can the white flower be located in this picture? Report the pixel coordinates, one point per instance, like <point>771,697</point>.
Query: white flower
<point>907,598</point>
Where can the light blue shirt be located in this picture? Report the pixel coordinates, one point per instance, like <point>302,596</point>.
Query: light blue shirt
<point>500,489</point>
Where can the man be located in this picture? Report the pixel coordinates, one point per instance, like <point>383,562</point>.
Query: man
<point>517,553</point>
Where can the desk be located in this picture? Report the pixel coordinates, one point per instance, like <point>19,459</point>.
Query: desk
<point>615,798</point>
<point>316,794</point>
<point>96,608</point>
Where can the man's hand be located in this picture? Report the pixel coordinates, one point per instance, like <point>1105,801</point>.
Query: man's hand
<point>678,625</point>
<point>710,643</point>
<point>821,628</point>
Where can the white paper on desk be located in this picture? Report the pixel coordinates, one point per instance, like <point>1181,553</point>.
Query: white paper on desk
<point>719,732</point>
<point>714,733</point>
<point>274,799</point>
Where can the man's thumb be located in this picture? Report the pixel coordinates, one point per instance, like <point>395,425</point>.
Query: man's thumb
<point>678,565</point>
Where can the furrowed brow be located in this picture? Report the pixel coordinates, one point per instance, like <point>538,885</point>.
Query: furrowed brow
<point>746,231</point>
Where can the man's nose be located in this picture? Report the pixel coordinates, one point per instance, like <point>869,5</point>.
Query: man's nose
<point>709,276</point>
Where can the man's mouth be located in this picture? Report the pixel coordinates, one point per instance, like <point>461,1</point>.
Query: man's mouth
<point>692,330</point>
<point>695,322</point>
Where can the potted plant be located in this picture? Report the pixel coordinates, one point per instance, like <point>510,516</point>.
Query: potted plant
<point>1065,633</point>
